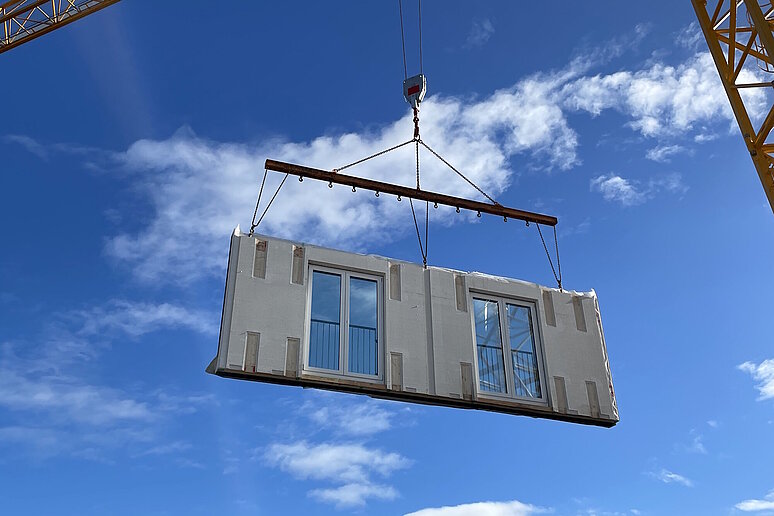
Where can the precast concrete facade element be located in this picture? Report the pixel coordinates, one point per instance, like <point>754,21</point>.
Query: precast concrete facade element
<point>434,340</point>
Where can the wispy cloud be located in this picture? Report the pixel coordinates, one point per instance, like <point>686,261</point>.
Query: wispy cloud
<point>661,100</point>
<point>616,188</point>
<point>629,192</point>
<point>480,32</point>
<point>166,449</point>
<point>31,145</point>
<point>352,465</point>
<point>354,494</point>
<point>511,508</point>
<point>663,153</point>
<point>134,318</point>
<point>690,37</point>
<point>361,418</point>
<point>755,505</point>
<point>762,373</point>
<point>338,462</point>
<point>187,177</point>
<point>696,444</point>
<point>47,390</point>
<point>670,477</point>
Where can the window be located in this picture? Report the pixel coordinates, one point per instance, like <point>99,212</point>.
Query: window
<point>345,323</point>
<point>512,369</point>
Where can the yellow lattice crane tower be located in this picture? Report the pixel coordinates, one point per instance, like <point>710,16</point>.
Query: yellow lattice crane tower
<point>737,30</point>
<point>24,20</point>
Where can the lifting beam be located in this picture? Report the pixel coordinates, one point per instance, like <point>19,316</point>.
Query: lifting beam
<point>25,20</point>
<point>411,193</point>
<point>742,36</point>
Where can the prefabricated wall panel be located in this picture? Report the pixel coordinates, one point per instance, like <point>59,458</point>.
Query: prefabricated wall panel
<point>427,334</point>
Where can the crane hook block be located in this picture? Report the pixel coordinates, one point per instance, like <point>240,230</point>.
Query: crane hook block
<point>414,89</point>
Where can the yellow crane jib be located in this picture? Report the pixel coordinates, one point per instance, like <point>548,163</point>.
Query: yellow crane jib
<point>24,20</point>
<point>736,30</point>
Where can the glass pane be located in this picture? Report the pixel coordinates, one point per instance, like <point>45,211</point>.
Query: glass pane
<point>523,355</point>
<point>363,346</point>
<point>324,334</point>
<point>491,370</point>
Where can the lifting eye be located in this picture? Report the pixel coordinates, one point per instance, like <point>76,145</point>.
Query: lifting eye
<point>399,198</point>
<point>300,179</point>
<point>458,209</point>
<point>330,184</point>
<point>377,194</point>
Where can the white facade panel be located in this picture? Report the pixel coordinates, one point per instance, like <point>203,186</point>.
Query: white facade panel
<point>438,336</point>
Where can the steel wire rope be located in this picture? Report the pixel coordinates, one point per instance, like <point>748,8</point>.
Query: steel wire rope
<point>471,183</point>
<point>402,39</point>
<point>256,224</point>
<point>421,67</point>
<point>557,277</point>
<point>373,156</point>
<point>253,225</point>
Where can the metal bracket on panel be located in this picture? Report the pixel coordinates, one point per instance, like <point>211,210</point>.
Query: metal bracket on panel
<point>259,261</point>
<point>252,343</point>
<point>548,308</point>
<point>580,317</point>
<point>593,396</point>
<point>297,273</point>
<point>466,374</point>
<point>291,357</point>
<point>561,396</point>
<point>396,371</point>
<point>395,286</point>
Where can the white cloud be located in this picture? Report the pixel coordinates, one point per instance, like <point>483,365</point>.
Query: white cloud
<point>69,399</point>
<point>138,318</point>
<point>45,382</point>
<point>630,192</point>
<point>351,465</point>
<point>616,188</point>
<point>30,144</point>
<point>663,153</point>
<point>206,187</point>
<point>357,419</point>
<point>512,508</point>
<point>762,373</point>
<point>690,37</point>
<point>166,449</point>
<point>480,33</point>
<point>697,443</point>
<point>669,477</point>
<point>662,100</point>
<point>336,462</point>
<point>354,494</point>
<point>754,505</point>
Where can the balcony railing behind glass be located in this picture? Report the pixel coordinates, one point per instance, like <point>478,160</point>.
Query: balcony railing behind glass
<point>324,338</point>
<point>363,350</point>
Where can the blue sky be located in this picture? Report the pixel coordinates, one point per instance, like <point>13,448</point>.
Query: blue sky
<point>133,143</point>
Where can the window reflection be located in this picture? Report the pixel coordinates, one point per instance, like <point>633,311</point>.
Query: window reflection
<point>324,331</point>
<point>363,315</point>
<point>491,370</point>
<point>523,356</point>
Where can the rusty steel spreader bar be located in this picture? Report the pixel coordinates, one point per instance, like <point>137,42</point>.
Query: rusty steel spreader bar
<point>412,193</point>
